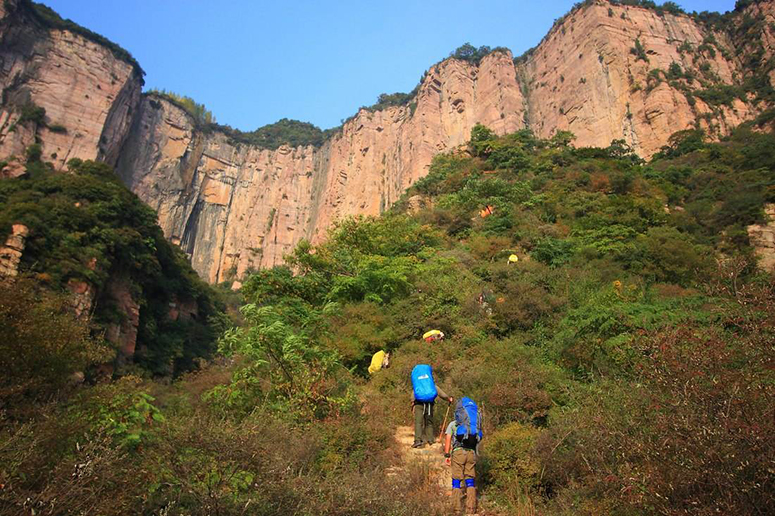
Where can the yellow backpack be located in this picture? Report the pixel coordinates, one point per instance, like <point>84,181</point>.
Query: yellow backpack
<point>376,362</point>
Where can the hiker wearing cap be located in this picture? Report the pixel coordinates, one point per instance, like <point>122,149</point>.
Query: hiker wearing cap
<point>424,394</point>
<point>463,434</point>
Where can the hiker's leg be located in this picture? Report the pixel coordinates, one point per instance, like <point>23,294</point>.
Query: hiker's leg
<point>430,429</point>
<point>418,423</point>
<point>456,469</point>
<point>470,485</point>
<point>469,474</point>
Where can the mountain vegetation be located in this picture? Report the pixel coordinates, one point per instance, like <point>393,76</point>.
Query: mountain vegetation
<point>201,115</point>
<point>86,228</point>
<point>624,363</point>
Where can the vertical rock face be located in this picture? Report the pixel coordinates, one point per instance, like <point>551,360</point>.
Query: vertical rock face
<point>762,237</point>
<point>124,334</point>
<point>231,207</point>
<point>88,93</point>
<point>604,73</point>
<point>235,207</point>
<point>11,252</point>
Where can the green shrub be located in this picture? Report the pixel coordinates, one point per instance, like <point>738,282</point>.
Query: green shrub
<point>31,112</point>
<point>510,460</point>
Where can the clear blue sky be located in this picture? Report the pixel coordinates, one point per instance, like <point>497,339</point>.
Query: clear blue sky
<point>252,62</point>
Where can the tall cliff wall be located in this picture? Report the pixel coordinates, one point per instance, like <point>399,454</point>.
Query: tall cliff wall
<point>603,72</point>
<point>233,207</point>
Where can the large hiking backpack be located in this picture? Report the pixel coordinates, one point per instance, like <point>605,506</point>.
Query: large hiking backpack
<point>469,429</point>
<point>422,384</point>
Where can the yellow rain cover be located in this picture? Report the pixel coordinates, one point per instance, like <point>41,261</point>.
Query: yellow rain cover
<point>431,333</point>
<point>376,362</point>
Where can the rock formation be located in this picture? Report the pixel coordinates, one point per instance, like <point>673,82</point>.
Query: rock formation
<point>234,207</point>
<point>11,252</point>
<point>762,237</point>
<point>87,93</point>
<point>604,72</point>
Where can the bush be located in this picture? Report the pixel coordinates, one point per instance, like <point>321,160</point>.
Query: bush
<point>42,342</point>
<point>31,112</point>
<point>510,460</point>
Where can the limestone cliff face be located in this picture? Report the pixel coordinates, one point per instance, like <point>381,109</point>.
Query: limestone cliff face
<point>235,207</point>
<point>589,77</point>
<point>88,93</point>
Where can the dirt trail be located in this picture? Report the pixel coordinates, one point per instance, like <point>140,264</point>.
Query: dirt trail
<point>430,456</point>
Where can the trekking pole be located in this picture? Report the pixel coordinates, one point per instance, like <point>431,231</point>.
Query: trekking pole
<point>441,430</point>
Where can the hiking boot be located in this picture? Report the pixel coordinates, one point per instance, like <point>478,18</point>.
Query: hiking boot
<point>418,444</point>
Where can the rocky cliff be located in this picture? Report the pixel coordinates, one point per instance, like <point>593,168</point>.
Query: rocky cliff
<point>610,72</point>
<point>233,207</point>
<point>88,94</point>
<point>603,72</point>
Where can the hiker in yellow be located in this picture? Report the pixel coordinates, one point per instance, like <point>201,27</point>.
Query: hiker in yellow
<point>463,434</point>
<point>379,361</point>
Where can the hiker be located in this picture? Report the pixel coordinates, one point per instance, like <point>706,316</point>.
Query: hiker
<point>379,361</point>
<point>424,393</point>
<point>433,335</point>
<point>463,435</point>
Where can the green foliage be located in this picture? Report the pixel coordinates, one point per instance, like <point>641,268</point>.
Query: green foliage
<point>31,112</point>
<point>282,132</point>
<point>201,115</point>
<point>386,100</point>
<point>472,54</point>
<point>510,461</point>
<point>639,52</point>
<point>42,343</point>
<point>682,142</point>
<point>126,417</point>
<point>85,226</point>
<point>720,94</point>
<point>57,128</point>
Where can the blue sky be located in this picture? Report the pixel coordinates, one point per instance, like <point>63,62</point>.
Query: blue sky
<point>252,62</point>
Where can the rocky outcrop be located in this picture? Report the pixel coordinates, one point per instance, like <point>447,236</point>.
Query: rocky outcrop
<point>123,334</point>
<point>184,310</point>
<point>87,93</point>
<point>762,238</point>
<point>11,252</point>
<point>81,298</point>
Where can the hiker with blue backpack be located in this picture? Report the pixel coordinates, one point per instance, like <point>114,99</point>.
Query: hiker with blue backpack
<point>424,394</point>
<point>463,435</point>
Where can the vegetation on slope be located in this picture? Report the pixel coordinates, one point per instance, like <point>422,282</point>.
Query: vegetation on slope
<point>201,115</point>
<point>85,226</point>
<point>282,132</point>
<point>622,363</point>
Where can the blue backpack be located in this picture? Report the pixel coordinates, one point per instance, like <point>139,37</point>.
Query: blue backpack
<point>469,430</point>
<point>422,384</point>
